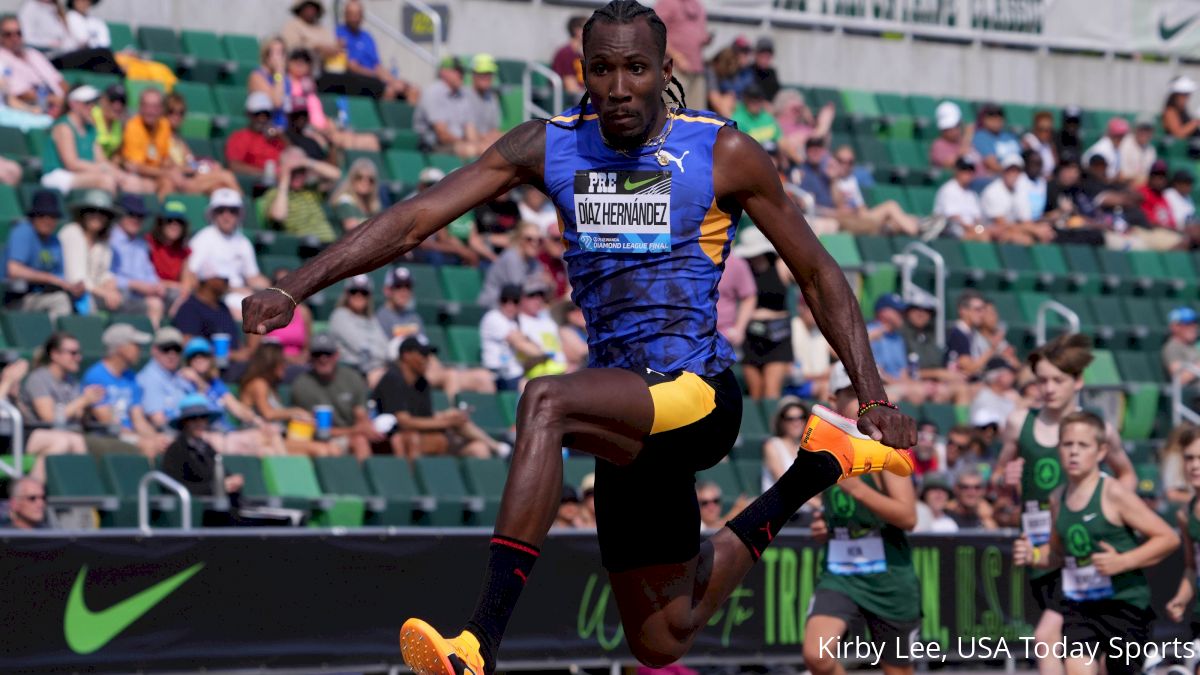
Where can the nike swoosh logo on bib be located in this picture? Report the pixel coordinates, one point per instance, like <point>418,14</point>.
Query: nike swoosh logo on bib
<point>633,186</point>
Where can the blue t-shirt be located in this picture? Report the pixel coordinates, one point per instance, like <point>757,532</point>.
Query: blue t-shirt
<point>889,350</point>
<point>28,248</point>
<point>121,392</point>
<point>196,318</point>
<point>999,145</point>
<point>360,47</point>
<point>162,390</point>
<point>816,183</point>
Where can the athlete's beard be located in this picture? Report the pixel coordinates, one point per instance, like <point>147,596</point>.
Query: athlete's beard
<point>631,143</point>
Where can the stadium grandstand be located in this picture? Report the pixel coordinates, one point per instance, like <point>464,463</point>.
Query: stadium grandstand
<point>993,176</point>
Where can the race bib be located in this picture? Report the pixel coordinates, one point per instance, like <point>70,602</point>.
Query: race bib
<point>623,211</point>
<point>1085,583</point>
<point>863,555</point>
<point>1035,523</point>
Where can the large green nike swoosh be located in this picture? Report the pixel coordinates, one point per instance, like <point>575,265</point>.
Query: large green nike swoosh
<point>640,183</point>
<point>86,631</point>
<point>1167,33</point>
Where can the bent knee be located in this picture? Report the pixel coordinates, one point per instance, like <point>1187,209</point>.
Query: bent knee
<point>544,400</point>
<point>818,660</point>
<point>657,652</point>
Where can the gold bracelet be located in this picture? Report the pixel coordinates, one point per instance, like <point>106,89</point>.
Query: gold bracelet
<point>286,295</point>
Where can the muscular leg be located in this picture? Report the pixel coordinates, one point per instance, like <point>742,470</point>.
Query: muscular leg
<point>1047,632</point>
<point>773,377</point>
<point>754,381</point>
<point>827,630</point>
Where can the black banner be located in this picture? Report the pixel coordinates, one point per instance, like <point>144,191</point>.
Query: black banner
<point>108,602</point>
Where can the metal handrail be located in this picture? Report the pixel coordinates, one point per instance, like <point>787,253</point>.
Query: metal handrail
<point>529,108</point>
<point>908,263</point>
<point>185,500</point>
<point>1059,309</point>
<point>1179,411</point>
<point>431,57</point>
<point>18,439</point>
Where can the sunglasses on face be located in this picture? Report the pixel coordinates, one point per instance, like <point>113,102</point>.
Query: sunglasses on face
<point>508,301</point>
<point>369,179</point>
<point>972,486</point>
<point>70,352</point>
<point>225,209</point>
<point>322,355</point>
<point>358,291</point>
<point>170,348</point>
<point>532,240</point>
<point>33,498</point>
<point>11,33</point>
<point>710,502</point>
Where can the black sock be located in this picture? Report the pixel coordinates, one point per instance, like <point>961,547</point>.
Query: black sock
<point>759,522</point>
<point>508,567</point>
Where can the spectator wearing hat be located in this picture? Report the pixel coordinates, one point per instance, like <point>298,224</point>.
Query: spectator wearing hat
<point>518,263</point>
<point>1115,132</point>
<point>87,256</point>
<point>444,116</point>
<point>931,509</point>
<point>958,204</point>
<point>249,150</point>
<point>191,460</point>
<point>304,31</point>
<point>359,337</point>
<point>1180,348</point>
<point>1008,211</point>
<point>142,290</point>
<point>1179,198</point>
<point>568,60</point>
<point>1040,139</point>
<point>1177,122</point>
<point>1163,233</point>
<point>954,140</point>
<point>35,256</point>
<point>365,74</point>
<point>108,118</point>
<point>816,179</point>
<point>163,386</point>
<point>537,325</point>
<point>73,160</point>
<point>121,408</point>
<point>992,140</point>
<point>405,393</point>
<point>296,203</point>
<point>753,116</point>
<point>33,84</point>
<point>687,35</point>
<point>223,244</point>
<point>256,437</point>
<point>1069,139</point>
<point>998,397</point>
<point>341,387</point>
<point>850,207</point>
<point>888,346</point>
<point>356,197</point>
<point>787,431</point>
<point>763,67</point>
<point>485,99</point>
<point>206,314</point>
<point>767,354</point>
<point>1136,153</point>
<point>506,351</point>
<point>169,250</point>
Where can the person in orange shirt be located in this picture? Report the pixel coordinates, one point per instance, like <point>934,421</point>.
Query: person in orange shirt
<point>146,150</point>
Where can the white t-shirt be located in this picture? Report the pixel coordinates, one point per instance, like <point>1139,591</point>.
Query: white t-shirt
<point>546,219</point>
<point>1000,202</point>
<point>956,201</point>
<point>1182,207</point>
<point>233,253</point>
<point>1105,148</point>
<point>544,333</point>
<point>88,31</point>
<point>1135,160</point>
<point>1035,195</point>
<point>850,191</point>
<point>498,355</point>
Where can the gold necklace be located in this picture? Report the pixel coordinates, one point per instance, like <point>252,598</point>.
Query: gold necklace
<point>660,140</point>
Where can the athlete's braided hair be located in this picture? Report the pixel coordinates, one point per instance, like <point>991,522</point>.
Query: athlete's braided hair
<point>623,12</point>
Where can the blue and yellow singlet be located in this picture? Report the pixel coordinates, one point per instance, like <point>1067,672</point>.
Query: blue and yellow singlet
<point>646,242</point>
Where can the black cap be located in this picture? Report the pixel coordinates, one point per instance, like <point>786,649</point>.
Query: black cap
<point>990,109</point>
<point>417,343</point>
<point>764,44</point>
<point>1159,167</point>
<point>300,54</point>
<point>133,205</point>
<point>1183,176</point>
<point>570,494</point>
<point>964,164</point>
<point>1097,159</point>
<point>510,292</point>
<point>45,203</point>
<point>998,363</point>
<point>115,92</point>
<point>814,142</point>
<point>322,343</point>
<point>1072,113</point>
<point>399,278</point>
<point>1068,156</point>
<point>753,92</point>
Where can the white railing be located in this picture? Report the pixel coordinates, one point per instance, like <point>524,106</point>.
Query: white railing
<point>185,500</point>
<point>430,56</point>
<point>531,109</point>
<point>907,262</point>
<point>1059,309</point>
<point>18,440</point>
<point>1180,412</point>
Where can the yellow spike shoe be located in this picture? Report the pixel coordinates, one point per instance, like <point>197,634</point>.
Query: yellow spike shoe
<point>428,653</point>
<point>858,453</point>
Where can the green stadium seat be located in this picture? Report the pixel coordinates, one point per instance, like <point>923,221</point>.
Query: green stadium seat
<point>1120,274</point>
<point>724,475</point>
<point>364,115</point>
<point>159,40</point>
<point>242,48</point>
<point>294,477</point>
<point>391,478</point>
<point>343,476</point>
<point>396,114</point>
<point>486,478</point>
<point>203,44</point>
<point>486,411</point>
<point>460,284</point>
<point>405,166</point>
<point>575,469</point>
<point>1023,271</point>
<point>74,480</point>
<point>442,477</point>
<point>1051,265</point>
<point>893,105</point>
<point>1102,372</point>
<point>230,101</point>
<point>883,192</point>
<point>121,36</point>
<point>1143,312</point>
<point>199,97</point>
<point>923,107</point>
<point>749,472</point>
<point>138,321</point>
<point>1083,261</point>
<point>426,284</point>
<point>254,484</point>
<point>843,249</point>
<point>861,103</point>
<point>122,474</point>
<point>943,415</point>
<point>875,248</point>
<point>27,330</point>
<point>13,144</point>
<point>465,344</point>
<point>10,208</point>
<point>444,162</point>
<point>907,154</point>
<point>88,330</point>
<point>921,198</point>
<point>983,257</point>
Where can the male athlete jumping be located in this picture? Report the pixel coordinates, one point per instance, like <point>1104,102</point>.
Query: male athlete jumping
<point>649,195</point>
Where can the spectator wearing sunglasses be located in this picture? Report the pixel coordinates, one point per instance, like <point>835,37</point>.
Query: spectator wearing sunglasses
<point>519,262</point>
<point>780,450</point>
<point>249,150</point>
<point>356,198</point>
<point>223,244</point>
<point>163,387</point>
<point>26,505</point>
<point>708,496</point>
<point>360,339</point>
<point>969,509</point>
<point>143,291</point>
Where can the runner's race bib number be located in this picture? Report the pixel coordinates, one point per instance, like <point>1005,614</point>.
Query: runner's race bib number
<point>623,211</point>
<point>862,555</point>
<point>1035,523</point>
<point>1085,583</point>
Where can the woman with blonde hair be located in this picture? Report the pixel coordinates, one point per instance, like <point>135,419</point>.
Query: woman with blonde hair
<point>356,198</point>
<point>1170,463</point>
<point>798,123</point>
<point>722,72</point>
<point>362,344</point>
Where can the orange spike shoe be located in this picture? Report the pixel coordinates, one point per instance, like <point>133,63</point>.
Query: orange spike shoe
<point>858,453</point>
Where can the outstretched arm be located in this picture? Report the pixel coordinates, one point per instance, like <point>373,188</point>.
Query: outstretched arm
<point>743,171</point>
<point>515,159</point>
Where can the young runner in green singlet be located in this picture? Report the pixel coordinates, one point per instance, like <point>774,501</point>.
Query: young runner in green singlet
<point>1189,528</point>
